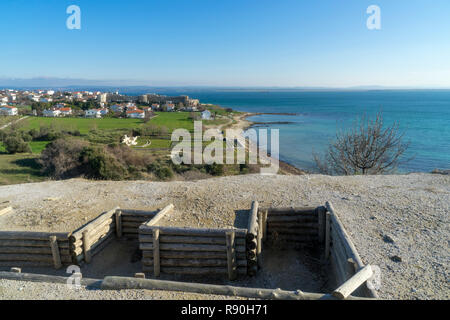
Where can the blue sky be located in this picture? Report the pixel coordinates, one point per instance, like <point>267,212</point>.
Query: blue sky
<point>229,42</point>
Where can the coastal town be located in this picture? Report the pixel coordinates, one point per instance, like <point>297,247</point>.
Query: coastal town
<point>51,103</point>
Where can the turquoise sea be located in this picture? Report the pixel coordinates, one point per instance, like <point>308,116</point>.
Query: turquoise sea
<point>424,116</point>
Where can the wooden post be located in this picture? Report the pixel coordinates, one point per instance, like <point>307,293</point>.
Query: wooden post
<point>321,211</point>
<point>160,215</point>
<point>353,283</point>
<point>259,240</point>
<point>231,255</point>
<point>351,268</point>
<point>118,223</point>
<point>156,259</point>
<point>265,213</point>
<point>86,246</point>
<point>55,252</point>
<point>327,235</point>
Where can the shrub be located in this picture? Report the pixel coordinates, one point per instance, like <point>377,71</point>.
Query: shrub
<point>215,169</point>
<point>16,144</point>
<point>61,158</point>
<point>98,164</point>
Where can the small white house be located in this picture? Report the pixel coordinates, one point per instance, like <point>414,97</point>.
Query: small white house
<point>206,115</point>
<point>52,113</point>
<point>104,111</point>
<point>136,114</point>
<point>65,111</point>
<point>9,111</point>
<point>93,113</point>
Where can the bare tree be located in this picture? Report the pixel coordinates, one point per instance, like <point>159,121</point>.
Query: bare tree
<point>367,148</point>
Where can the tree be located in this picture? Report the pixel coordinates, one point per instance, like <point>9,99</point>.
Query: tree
<point>15,144</point>
<point>367,148</point>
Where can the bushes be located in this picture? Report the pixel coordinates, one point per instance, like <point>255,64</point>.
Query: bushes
<point>16,144</point>
<point>61,158</point>
<point>96,163</point>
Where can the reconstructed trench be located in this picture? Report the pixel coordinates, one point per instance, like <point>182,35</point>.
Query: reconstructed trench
<point>235,254</point>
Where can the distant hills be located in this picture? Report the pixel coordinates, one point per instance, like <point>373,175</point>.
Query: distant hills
<point>125,86</point>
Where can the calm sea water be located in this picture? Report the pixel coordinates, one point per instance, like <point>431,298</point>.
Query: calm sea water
<point>423,115</point>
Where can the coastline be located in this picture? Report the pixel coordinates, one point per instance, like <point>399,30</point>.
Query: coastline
<point>244,124</point>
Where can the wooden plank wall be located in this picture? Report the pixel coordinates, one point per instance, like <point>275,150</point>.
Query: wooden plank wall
<point>34,249</point>
<point>191,251</point>
<point>293,226</point>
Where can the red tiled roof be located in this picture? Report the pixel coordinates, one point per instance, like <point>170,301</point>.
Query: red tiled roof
<point>135,111</point>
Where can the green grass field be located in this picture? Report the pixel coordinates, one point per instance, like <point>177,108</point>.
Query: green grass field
<point>173,120</point>
<point>19,168</point>
<point>84,125</point>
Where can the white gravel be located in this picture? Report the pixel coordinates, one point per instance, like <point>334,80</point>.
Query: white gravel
<point>399,215</point>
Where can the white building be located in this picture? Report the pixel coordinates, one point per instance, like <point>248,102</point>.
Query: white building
<point>206,115</point>
<point>93,113</point>
<point>51,113</point>
<point>9,111</point>
<point>65,111</point>
<point>136,114</point>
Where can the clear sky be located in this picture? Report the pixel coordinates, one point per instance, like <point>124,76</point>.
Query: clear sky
<point>229,42</point>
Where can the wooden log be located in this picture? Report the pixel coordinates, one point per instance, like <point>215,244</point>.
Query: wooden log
<point>121,283</point>
<point>139,213</point>
<point>55,252</point>
<point>119,223</point>
<point>321,224</point>
<point>18,263</point>
<point>327,235</point>
<point>353,283</point>
<point>200,271</point>
<point>6,210</point>
<point>252,229</point>
<point>297,238</point>
<point>32,250</point>
<point>259,240</point>
<point>194,263</point>
<point>135,225</point>
<point>24,235</point>
<point>94,283</point>
<point>231,256</point>
<point>156,257</point>
<point>108,236</point>
<point>294,231</point>
<point>251,255</point>
<point>99,246</point>
<point>30,243</point>
<point>160,215</point>
<point>298,219</point>
<point>265,213</point>
<point>102,234</point>
<point>189,247</point>
<point>192,255</point>
<point>86,246</point>
<point>346,240</point>
<point>338,246</point>
<point>174,231</point>
<point>130,231</point>
<point>31,257</point>
<point>93,224</point>
<point>338,268</point>
<point>136,219</point>
<point>252,245</point>
<point>186,239</point>
<point>293,211</point>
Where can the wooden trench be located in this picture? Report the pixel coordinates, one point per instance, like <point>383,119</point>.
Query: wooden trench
<point>232,253</point>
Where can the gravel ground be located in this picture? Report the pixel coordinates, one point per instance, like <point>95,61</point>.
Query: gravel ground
<point>398,222</point>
